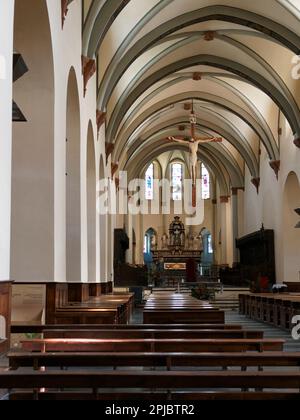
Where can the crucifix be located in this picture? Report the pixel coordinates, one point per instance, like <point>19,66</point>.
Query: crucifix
<point>193,143</point>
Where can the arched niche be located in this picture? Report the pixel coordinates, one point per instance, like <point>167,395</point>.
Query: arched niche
<point>103,232</point>
<point>73,198</point>
<point>91,204</point>
<point>291,235</point>
<point>207,255</point>
<point>32,225</point>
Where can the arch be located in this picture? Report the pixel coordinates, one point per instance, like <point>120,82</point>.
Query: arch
<point>248,117</point>
<point>73,175</point>
<point>91,204</point>
<point>236,68</point>
<point>32,221</point>
<point>208,252</point>
<point>103,231</point>
<point>291,236</point>
<point>119,65</point>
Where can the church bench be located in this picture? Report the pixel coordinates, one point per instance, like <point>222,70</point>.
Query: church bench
<point>183,317</point>
<point>150,345</point>
<point>275,309</point>
<point>87,316</point>
<point>169,361</point>
<point>167,381</point>
<point>153,334</point>
<point>155,396</point>
<point>39,329</point>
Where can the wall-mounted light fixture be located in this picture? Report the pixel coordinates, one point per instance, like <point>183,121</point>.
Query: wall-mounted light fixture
<point>298,224</point>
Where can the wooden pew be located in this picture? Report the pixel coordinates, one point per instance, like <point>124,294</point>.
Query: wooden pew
<point>166,360</point>
<point>155,396</point>
<point>154,334</point>
<point>39,329</point>
<point>150,345</point>
<point>195,316</point>
<point>164,381</point>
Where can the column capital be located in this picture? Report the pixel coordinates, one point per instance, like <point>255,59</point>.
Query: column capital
<point>88,70</point>
<point>275,165</point>
<point>297,142</point>
<point>224,199</point>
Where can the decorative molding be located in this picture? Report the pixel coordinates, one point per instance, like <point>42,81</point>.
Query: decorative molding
<point>209,36</point>
<point>275,165</point>
<point>297,142</point>
<point>224,199</point>
<point>197,76</point>
<point>234,191</point>
<point>109,148</point>
<point>100,118</point>
<point>64,11</point>
<point>114,168</point>
<point>256,183</point>
<point>88,70</point>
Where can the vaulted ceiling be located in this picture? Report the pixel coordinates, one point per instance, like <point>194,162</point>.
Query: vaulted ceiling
<point>233,58</point>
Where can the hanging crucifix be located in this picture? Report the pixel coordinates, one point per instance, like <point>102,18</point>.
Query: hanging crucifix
<point>194,142</point>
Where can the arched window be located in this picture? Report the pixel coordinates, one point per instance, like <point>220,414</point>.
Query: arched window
<point>149,179</point>
<point>209,244</point>
<point>177,179</point>
<point>205,177</point>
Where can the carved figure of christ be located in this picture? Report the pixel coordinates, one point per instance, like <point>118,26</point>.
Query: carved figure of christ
<point>194,145</point>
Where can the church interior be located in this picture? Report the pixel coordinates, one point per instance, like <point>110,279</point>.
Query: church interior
<point>149,200</point>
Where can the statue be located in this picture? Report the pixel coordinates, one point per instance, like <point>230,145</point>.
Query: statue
<point>177,233</point>
<point>164,241</point>
<point>193,143</point>
<point>190,239</point>
<point>153,243</point>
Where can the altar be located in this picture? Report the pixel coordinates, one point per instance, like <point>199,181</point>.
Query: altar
<point>179,255</point>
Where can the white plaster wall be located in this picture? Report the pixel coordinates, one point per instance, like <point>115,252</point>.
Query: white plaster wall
<point>67,53</point>
<point>267,206</point>
<point>6,49</point>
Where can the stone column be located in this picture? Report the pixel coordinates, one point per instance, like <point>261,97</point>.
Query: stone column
<point>235,223</point>
<point>224,204</point>
<point>6,54</point>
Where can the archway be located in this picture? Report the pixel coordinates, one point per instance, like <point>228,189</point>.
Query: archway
<point>91,205</point>
<point>291,235</point>
<point>150,241</point>
<point>208,253</point>
<point>32,233</point>
<point>73,199</point>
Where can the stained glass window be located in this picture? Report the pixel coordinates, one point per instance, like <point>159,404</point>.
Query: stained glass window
<point>205,183</point>
<point>177,179</point>
<point>150,182</point>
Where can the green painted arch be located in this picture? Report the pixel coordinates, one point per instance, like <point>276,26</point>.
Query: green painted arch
<point>101,16</point>
<point>165,131</point>
<point>215,167</point>
<point>276,80</point>
<point>223,129</point>
<point>214,61</point>
<point>224,103</point>
<point>242,17</point>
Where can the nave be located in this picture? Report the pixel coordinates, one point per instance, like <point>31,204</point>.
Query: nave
<point>236,360</point>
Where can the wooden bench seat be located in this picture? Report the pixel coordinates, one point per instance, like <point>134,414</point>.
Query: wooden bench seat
<point>151,380</point>
<point>39,329</point>
<point>148,345</point>
<point>167,360</point>
<point>183,317</point>
<point>155,396</point>
<point>154,334</point>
